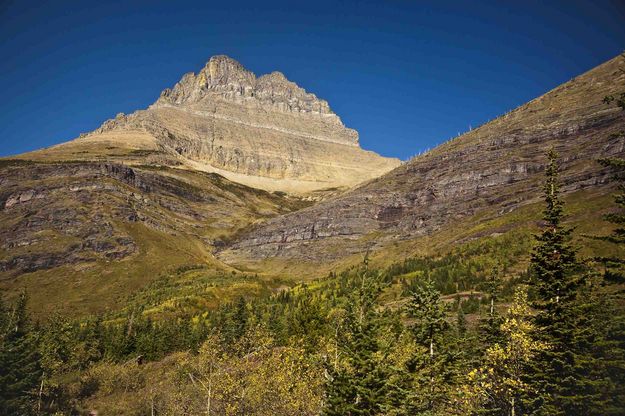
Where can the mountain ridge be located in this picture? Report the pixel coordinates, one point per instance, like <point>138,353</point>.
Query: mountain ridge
<point>495,165</point>
<point>102,215</point>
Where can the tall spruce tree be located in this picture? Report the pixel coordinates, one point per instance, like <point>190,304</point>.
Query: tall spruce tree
<point>608,305</point>
<point>611,345</point>
<point>432,364</point>
<point>615,267</point>
<point>609,326</point>
<point>561,379</point>
<point>357,385</point>
<point>20,370</point>
<point>490,326</point>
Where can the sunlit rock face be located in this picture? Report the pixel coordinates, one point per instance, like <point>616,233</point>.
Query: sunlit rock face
<point>263,131</point>
<point>226,78</point>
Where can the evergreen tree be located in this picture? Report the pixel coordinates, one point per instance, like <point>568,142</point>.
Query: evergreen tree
<point>609,328</point>
<point>357,384</point>
<point>307,322</point>
<point>89,348</point>
<point>615,267</point>
<point>490,327</point>
<point>238,321</point>
<point>432,364</point>
<point>461,322</point>
<point>553,259</point>
<point>560,374</point>
<point>607,310</point>
<point>20,370</point>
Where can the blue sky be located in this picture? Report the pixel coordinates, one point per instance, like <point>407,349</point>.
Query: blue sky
<point>406,74</point>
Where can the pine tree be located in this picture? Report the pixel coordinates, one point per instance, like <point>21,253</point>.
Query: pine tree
<point>20,370</point>
<point>239,320</point>
<point>307,322</point>
<point>432,365</point>
<point>609,327</point>
<point>615,267</point>
<point>357,384</point>
<point>561,379</point>
<point>490,327</point>
<point>461,322</point>
<point>553,259</point>
<point>610,317</point>
<point>606,307</point>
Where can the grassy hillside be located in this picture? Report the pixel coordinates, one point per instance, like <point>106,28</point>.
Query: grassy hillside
<point>272,340</point>
<point>82,236</point>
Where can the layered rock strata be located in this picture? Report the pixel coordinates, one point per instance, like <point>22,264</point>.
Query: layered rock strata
<point>496,168</point>
<point>263,131</point>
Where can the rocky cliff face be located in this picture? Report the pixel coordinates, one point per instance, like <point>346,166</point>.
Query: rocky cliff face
<point>495,168</point>
<point>266,132</point>
<point>226,78</point>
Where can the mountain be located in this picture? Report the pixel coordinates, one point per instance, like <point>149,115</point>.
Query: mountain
<point>162,283</point>
<point>83,236</point>
<point>264,132</point>
<point>191,191</point>
<point>85,223</point>
<point>462,189</point>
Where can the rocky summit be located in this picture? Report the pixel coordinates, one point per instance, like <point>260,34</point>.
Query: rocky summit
<point>266,132</point>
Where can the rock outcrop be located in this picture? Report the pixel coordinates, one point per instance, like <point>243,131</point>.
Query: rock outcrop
<point>224,77</point>
<point>495,168</point>
<point>266,132</point>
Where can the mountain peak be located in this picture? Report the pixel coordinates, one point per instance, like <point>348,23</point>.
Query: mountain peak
<point>225,78</point>
<point>267,131</point>
<point>224,59</point>
<point>220,68</point>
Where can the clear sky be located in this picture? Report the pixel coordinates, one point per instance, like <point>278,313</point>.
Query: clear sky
<point>406,74</point>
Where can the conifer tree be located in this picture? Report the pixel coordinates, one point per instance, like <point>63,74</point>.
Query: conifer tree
<point>307,322</point>
<point>432,364</point>
<point>615,267</point>
<point>357,386</point>
<point>606,307</point>
<point>553,259</point>
<point>560,377</point>
<point>20,370</point>
<point>609,328</point>
<point>490,327</point>
<point>461,322</point>
<point>240,319</point>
